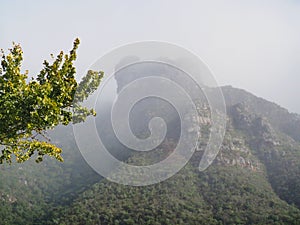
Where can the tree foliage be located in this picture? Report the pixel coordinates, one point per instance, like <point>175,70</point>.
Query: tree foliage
<point>30,108</point>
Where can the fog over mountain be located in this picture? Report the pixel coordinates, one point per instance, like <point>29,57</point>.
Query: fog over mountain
<point>252,45</point>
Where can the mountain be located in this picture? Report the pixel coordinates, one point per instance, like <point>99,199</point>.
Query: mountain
<point>255,178</point>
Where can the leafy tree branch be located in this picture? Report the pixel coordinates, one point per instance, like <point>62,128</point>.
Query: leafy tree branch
<point>29,108</point>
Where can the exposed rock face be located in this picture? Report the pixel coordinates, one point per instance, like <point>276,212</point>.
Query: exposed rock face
<point>278,117</point>
<point>252,124</point>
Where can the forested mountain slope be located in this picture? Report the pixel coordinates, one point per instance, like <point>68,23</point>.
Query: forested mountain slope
<point>255,178</point>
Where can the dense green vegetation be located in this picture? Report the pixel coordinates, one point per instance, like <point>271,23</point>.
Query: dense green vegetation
<point>221,195</point>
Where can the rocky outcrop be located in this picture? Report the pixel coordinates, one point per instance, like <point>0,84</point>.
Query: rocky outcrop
<point>252,124</point>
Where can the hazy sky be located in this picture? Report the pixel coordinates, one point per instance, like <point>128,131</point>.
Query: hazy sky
<point>250,44</point>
